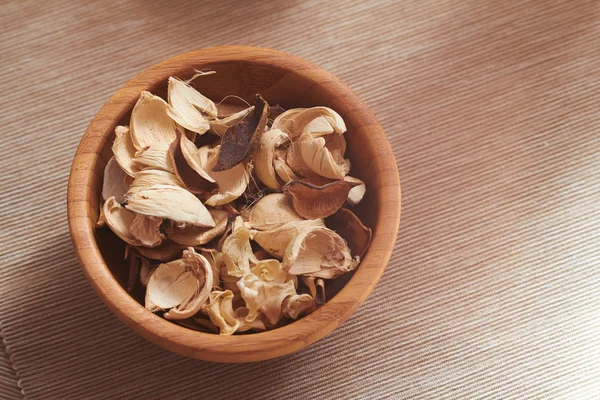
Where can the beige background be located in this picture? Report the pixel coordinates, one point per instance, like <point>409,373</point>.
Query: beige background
<point>493,110</point>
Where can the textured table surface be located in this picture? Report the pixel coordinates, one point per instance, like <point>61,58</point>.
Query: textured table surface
<point>493,111</point>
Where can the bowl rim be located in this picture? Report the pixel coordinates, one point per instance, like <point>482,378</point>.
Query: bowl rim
<point>206,346</point>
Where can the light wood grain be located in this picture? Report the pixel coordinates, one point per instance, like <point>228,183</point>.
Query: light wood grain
<point>282,79</point>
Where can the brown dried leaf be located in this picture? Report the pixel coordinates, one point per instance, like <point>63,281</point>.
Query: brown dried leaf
<point>312,201</point>
<point>239,137</point>
<point>190,235</point>
<point>350,227</point>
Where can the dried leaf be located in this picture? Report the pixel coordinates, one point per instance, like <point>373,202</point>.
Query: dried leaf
<point>190,235</point>
<point>151,177</point>
<point>185,104</point>
<point>318,252</point>
<point>349,227</point>
<point>325,156</point>
<point>239,137</point>
<point>275,241</point>
<point>312,201</point>
<point>124,150</point>
<point>264,156</point>
<point>147,230</point>
<point>170,202</point>
<point>116,182</point>
<point>150,124</point>
<point>119,220</point>
<point>272,211</point>
<point>166,251</point>
<point>219,126</point>
<point>357,192</point>
<point>188,175</point>
<point>317,121</point>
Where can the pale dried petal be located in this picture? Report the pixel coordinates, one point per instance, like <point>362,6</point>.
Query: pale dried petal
<point>275,241</point>
<point>150,124</point>
<point>197,160</point>
<point>119,220</point>
<point>237,251</point>
<point>265,297</point>
<point>153,158</point>
<point>257,324</point>
<point>116,182</point>
<point>147,230</point>
<point>170,202</point>
<point>294,160</point>
<point>357,192</point>
<point>190,235</point>
<point>220,311</point>
<point>264,156</point>
<point>181,91</point>
<point>272,211</point>
<point>318,252</point>
<point>151,177</point>
<point>231,182</point>
<point>195,182</point>
<point>124,150</point>
<point>270,270</point>
<point>182,110</point>
<point>296,304</point>
<point>325,156</point>
<point>284,172</point>
<point>318,121</point>
<point>219,126</point>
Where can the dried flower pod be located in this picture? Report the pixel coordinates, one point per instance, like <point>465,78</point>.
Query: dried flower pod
<point>272,211</point>
<point>325,156</point>
<point>264,156</point>
<point>220,311</point>
<point>318,121</point>
<point>237,251</point>
<point>124,150</point>
<point>349,227</point>
<point>357,192</point>
<point>165,252</point>
<point>153,158</point>
<point>170,202</point>
<point>312,201</point>
<point>190,235</point>
<point>276,241</point>
<point>151,177</point>
<point>147,230</point>
<point>293,306</point>
<point>239,137</point>
<point>186,104</point>
<point>150,124</point>
<point>220,125</point>
<point>181,286</point>
<point>119,220</point>
<point>192,180</point>
<point>318,252</point>
<point>231,182</point>
<point>116,182</point>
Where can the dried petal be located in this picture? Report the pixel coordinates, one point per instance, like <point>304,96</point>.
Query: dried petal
<point>166,251</point>
<point>272,211</point>
<point>190,235</point>
<point>325,156</point>
<point>181,91</point>
<point>296,304</point>
<point>264,156</point>
<point>184,105</point>
<point>318,252</point>
<point>237,251</point>
<point>275,241</point>
<point>220,312</point>
<point>269,270</point>
<point>195,158</point>
<point>170,202</point>
<point>192,180</point>
<point>150,177</point>
<point>219,126</point>
<point>265,297</point>
<point>150,124</point>
<point>317,121</point>
<point>151,157</point>
<point>119,220</point>
<point>231,183</point>
<point>124,150</point>
<point>257,324</point>
<point>284,172</point>
<point>239,137</point>
<point>116,182</point>
<point>357,192</point>
<point>294,160</point>
<point>312,201</point>
<point>147,230</point>
<point>349,227</point>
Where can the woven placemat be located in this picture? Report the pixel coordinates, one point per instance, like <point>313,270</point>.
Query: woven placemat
<point>492,109</point>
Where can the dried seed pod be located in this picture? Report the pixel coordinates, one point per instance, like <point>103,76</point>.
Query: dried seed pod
<point>116,182</point>
<point>220,311</point>
<point>170,202</point>
<point>275,241</point>
<point>264,156</point>
<point>190,235</point>
<point>147,230</point>
<point>119,220</point>
<point>193,181</point>
<point>181,286</point>
<point>357,192</point>
<point>312,201</point>
<point>219,126</point>
<point>293,306</point>
<point>272,211</point>
<point>318,252</point>
<point>150,124</point>
<point>151,177</point>
<point>165,252</point>
<point>239,137</point>
<point>294,160</point>
<point>237,251</point>
<point>325,156</point>
<point>317,121</point>
<point>231,182</point>
<point>185,104</point>
<point>153,158</point>
<point>349,227</point>
<point>124,150</point>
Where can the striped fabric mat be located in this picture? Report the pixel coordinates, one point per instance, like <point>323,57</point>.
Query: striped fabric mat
<point>493,111</point>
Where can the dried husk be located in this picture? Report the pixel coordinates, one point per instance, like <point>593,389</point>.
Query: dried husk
<point>165,252</point>
<point>232,183</point>
<point>170,202</point>
<point>318,121</point>
<point>318,252</point>
<point>220,311</point>
<point>186,104</point>
<point>119,220</point>
<point>325,156</point>
<point>181,91</point>
<point>151,177</point>
<point>182,286</point>
<point>237,251</point>
<point>238,138</point>
<point>220,125</point>
<point>293,306</point>
<point>264,156</point>
<point>150,124</point>
<point>272,211</point>
<point>192,180</point>
<point>357,192</point>
<point>275,241</point>
<point>151,157</point>
<point>190,235</point>
<point>312,201</point>
<point>116,182</point>
<point>124,150</point>
<point>294,160</point>
<point>351,229</point>
<point>147,230</point>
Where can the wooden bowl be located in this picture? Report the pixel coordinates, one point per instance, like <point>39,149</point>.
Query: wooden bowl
<point>281,79</point>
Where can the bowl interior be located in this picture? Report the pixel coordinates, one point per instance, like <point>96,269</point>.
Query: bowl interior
<point>277,85</point>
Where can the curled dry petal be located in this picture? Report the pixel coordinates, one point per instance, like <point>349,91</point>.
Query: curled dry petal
<point>318,252</point>
<point>116,182</point>
<point>196,159</point>
<point>220,311</point>
<point>150,177</point>
<point>272,211</point>
<point>264,156</point>
<point>166,251</point>
<point>265,297</point>
<point>181,286</point>
<point>357,192</point>
<point>124,150</point>
<point>171,202</point>
<point>219,126</point>
<point>318,121</point>
<point>190,235</point>
<point>150,124</point>
<point>119,220</point>
<point>275,241</point>
<point>180,91</point>
<point>284,172</point>
<point>147,230</point>
<point>239,137</point>
<point>325,156</point>
<point>257,324</point>
<point>296,304</point>
<point>294,160</point>
<point>237,251</point>
<point>185,104</point>
<point>312,201</point>
<point>186,173</point>
<point>153,158</point>
<point>349,227</point>
<point>269,270</point>
<point>231,182</point>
